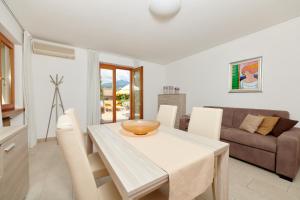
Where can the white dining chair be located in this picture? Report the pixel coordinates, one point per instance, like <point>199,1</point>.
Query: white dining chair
<point>95,161</point>
<point>167,115</point>
<point>76,125</point>
<point>82,177</point>
<point>207,122</point>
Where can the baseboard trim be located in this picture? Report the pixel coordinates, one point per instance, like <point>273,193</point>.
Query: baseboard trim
<point>40,140</point>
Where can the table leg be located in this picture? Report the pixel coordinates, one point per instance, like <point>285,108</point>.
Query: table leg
<point>89,144</point>
<point>222,177</point>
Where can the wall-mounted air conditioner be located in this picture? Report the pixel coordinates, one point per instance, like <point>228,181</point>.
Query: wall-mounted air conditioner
<point>49,49</point>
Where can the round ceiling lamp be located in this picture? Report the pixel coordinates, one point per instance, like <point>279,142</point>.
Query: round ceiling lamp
<point>164,8</point>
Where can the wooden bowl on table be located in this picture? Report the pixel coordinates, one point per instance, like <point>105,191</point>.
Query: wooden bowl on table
<point>140,127</point>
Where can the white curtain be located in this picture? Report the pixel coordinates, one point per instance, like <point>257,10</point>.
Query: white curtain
<point>28,90</point>
<point>93,88</point>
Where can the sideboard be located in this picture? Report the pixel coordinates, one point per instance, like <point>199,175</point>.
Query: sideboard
<point>178,100</point>
<point>14,166</point>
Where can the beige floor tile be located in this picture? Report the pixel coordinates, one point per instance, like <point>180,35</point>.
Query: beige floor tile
<point>35,191</point>
<point>50,179</point>
<point>238,177</point>
<point>40,161</point>
<point>270,191</point>
<point>297,180</point>
<point>57,187</point>
<point>208,195</point>
<point>238,192</point>
<point>246,172</point>
<point>295,191</point>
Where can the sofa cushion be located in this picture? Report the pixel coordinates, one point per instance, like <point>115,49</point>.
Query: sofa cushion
<point>251,123</point>
<point>224,127</point>
<point>227,117</point>
<point>267,125</point>
<point>267,143</point>
<point>283,125</point>
<point>240,114</point>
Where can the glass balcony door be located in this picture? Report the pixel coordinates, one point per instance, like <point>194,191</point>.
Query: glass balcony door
<point>120,93</point>
<point>137,93</point>
<point>107,98</point>
<point>123,94</point>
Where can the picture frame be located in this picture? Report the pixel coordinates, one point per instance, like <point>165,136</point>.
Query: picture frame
<point>245,76</point>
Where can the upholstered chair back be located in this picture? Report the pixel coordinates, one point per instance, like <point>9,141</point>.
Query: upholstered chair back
<point>76,126</point>
<point>83,181</point>
<point>167,115</point>
<point>206,122</point>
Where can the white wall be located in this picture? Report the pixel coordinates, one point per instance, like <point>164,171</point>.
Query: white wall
<point>10,28</point>
<point>204,76</point>
<point>74,88</point>
<point>8,25</point>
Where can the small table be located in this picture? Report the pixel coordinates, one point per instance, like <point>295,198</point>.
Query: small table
<point>135,175</point>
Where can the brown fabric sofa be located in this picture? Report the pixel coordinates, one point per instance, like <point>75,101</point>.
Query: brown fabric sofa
<point>278,154</point>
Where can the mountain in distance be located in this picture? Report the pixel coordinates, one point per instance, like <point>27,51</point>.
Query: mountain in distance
<point>120,84</point>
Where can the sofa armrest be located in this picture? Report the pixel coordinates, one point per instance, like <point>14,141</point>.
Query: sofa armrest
<point>288,153</point>
<point>184,122</point>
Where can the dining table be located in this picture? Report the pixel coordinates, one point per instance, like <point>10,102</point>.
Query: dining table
<point>136,175</point>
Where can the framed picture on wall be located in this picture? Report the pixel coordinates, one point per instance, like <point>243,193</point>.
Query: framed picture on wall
<point>246,75</point>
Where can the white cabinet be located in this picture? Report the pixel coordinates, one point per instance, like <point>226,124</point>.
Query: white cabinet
<point>178,100</point>
<point>14,174</point>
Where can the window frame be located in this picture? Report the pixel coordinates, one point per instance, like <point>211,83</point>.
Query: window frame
<point>114,67</point>
<point>10,45</point>
<point>141,70</point>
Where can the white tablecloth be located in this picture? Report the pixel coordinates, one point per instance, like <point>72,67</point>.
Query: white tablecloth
<point>190,166</point>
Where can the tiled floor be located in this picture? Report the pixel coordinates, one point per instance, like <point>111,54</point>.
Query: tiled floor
<point>50,179</point>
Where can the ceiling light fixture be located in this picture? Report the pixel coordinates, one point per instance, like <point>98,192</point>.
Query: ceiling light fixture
<point>165,8</point>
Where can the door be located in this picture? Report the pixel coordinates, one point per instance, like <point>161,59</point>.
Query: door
<point>120,93</point>
<point>123,94</point>
<point>137,93</point>
<point>107,97</point>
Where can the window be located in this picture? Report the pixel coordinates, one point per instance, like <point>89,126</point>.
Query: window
<point>121,93</point>
<point>7,73</point>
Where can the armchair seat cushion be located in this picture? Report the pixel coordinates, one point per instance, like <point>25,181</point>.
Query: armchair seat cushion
<point>267,143</point>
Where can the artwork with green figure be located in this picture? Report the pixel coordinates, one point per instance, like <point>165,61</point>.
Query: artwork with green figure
<point>235,77</point>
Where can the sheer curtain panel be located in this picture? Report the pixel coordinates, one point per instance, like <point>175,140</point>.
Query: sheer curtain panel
<point>28,90</point>
<point>93,88</point>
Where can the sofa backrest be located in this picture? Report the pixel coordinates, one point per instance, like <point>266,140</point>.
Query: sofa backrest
<point>233,117</point>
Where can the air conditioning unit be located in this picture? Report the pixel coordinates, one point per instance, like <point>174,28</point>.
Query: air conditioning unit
<point>50,49</point>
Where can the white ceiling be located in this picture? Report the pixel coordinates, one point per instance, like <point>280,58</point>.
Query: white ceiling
<point>126,26</point>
